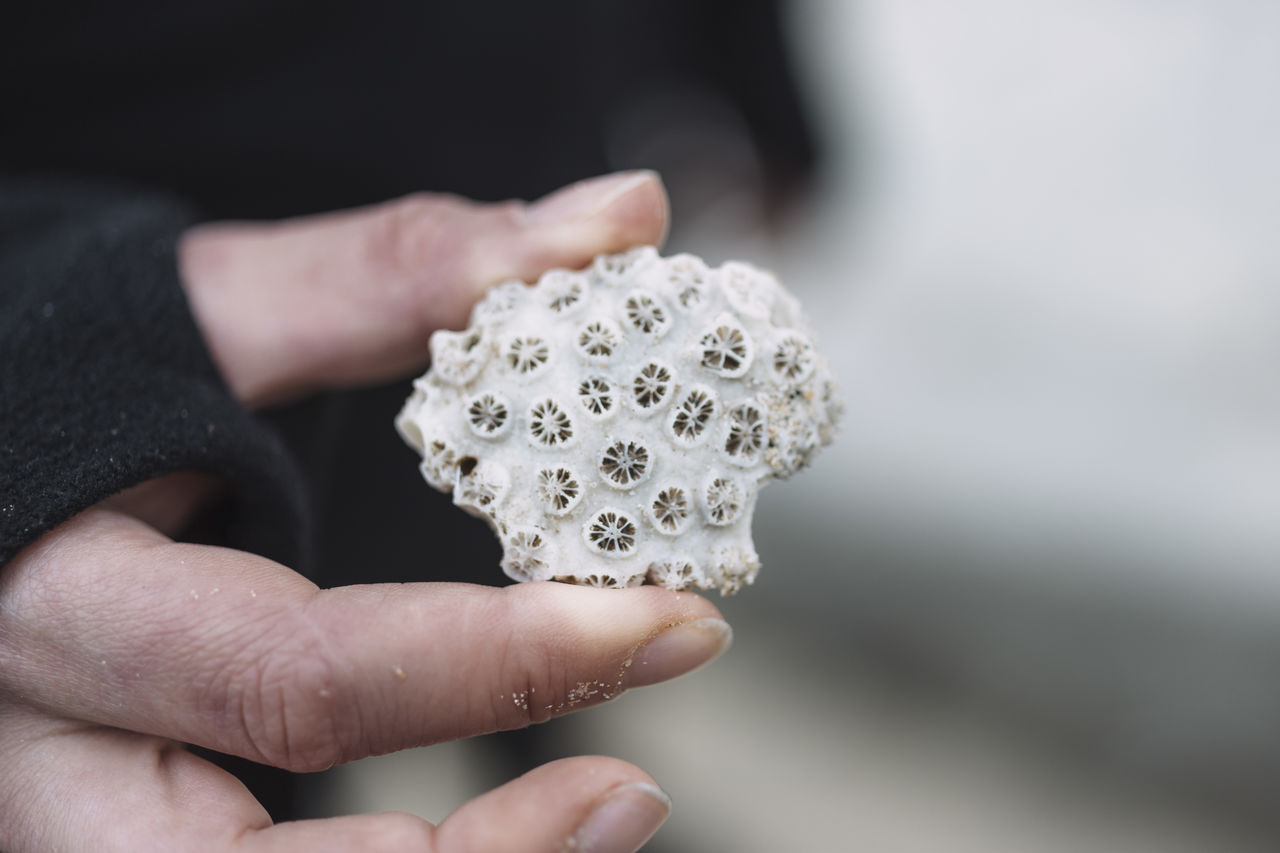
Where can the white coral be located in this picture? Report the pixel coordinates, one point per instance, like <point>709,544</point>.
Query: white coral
<point>614,425</point>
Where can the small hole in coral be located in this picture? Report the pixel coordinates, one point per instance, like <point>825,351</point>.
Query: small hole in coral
<point>598,339</point>
<point>596,395</point>
<point>611,533</point>
<point>488,415</point>
<point>677,573</point>
<point>793,359</point>
<point>549,425</point>
<point>693,414</point>
<point>558,489</point>
<point>726,350</point>
<point>564,290</point>
<point>646,314</point>
<point>746,434</point>
<point>522,554</point>
<point>670,509</point>
<point>624,463</point>
<point>688,275</point>
<point>651,386</point>
<point>724,500</point>
<point>527,354</point>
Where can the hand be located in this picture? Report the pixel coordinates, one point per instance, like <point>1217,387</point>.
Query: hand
<point>352,297</point>
<point>116,642</point>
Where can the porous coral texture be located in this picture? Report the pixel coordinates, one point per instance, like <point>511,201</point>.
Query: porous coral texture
<point>614,425</point>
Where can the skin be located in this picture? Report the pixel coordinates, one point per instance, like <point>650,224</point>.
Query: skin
<point>118,643</point>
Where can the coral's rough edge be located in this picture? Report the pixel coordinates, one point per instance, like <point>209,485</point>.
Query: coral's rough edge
<point>614,425</point>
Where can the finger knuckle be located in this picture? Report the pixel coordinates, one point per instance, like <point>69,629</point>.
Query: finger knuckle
<point>400,831</point>
<point>511,213</point>
<point>537,678</point>
<point>412,233</point>
<point>288,706</point>
<point>422,250</point>
<point>514,701</point>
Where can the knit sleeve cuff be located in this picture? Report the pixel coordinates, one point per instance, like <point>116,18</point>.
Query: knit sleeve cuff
<point>105,381</point>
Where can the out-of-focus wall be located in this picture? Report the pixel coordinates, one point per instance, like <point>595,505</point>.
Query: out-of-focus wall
<point>1049,274</point>
<point>1045,260</point>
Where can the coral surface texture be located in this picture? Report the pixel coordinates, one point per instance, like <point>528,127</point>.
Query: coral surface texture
<point>614,425</point>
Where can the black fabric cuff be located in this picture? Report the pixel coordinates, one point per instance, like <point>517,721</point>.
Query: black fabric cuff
<point>105,381</point>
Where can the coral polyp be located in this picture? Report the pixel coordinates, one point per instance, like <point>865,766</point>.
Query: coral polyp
<point>614,425</point>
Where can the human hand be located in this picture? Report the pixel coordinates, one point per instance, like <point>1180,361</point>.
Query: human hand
<point>353,296</point>
<point>116,642</point>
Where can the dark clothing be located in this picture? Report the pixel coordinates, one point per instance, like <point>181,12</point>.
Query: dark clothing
<point>104,380</point>
<point>124,122</point>
<point>250,109</point>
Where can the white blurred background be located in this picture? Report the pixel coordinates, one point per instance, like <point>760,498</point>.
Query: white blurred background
<point>1030,600</point>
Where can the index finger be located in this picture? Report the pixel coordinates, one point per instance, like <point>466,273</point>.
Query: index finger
<point>231,651</point>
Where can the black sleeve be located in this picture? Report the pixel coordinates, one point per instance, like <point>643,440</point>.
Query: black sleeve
<point>105,381</point>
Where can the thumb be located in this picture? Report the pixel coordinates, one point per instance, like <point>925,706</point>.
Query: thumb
<point>353,296</point>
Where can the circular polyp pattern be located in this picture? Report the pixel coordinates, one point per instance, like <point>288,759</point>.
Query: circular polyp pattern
<point>646,313</point>
<point>745,434</point>
<point>481,486</point>
<point>558,489</point>
<point>527,355</point>
<point>733,567</point>
<point>549,424</point>
<point>458,357</point>
<point>679,572</point>
<point>723,499</point>
<point>688,278</point>
<point>639,403</point>
<point>489,415</point>
<point>604,580</point>
<point>597,396</point>
<point>611,533</point>
<point>500,302</point>
<point>725,348</point>
<point>598,340</point>
<point>439,464</point>
<point>525,553</point>
<point>625,464</point>
<point>793,358</point>
<point>562,291</point>
<point>652,388</point>
<point>670,509</point>
<point>750,291</point>
<point>687,425</point>
<point>615,269</point>
<point>794,439</point>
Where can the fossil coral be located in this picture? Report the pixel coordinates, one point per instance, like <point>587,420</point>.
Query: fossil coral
<point>614,425</point>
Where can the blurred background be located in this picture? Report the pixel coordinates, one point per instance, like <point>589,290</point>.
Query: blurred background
<point>1030,599</point>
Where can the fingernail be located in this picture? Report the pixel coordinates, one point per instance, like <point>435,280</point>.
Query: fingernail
<point>585,198</point>
<point>677,650</point>
<point>628,817</point>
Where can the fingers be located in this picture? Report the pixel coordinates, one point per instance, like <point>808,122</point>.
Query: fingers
<point>588,805</point>
<point>168,503</point>
<point>573,225</point>
<point>82,787</point>
<point>110,622</point>
<point>85,787</point>
<point>353,296</point>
